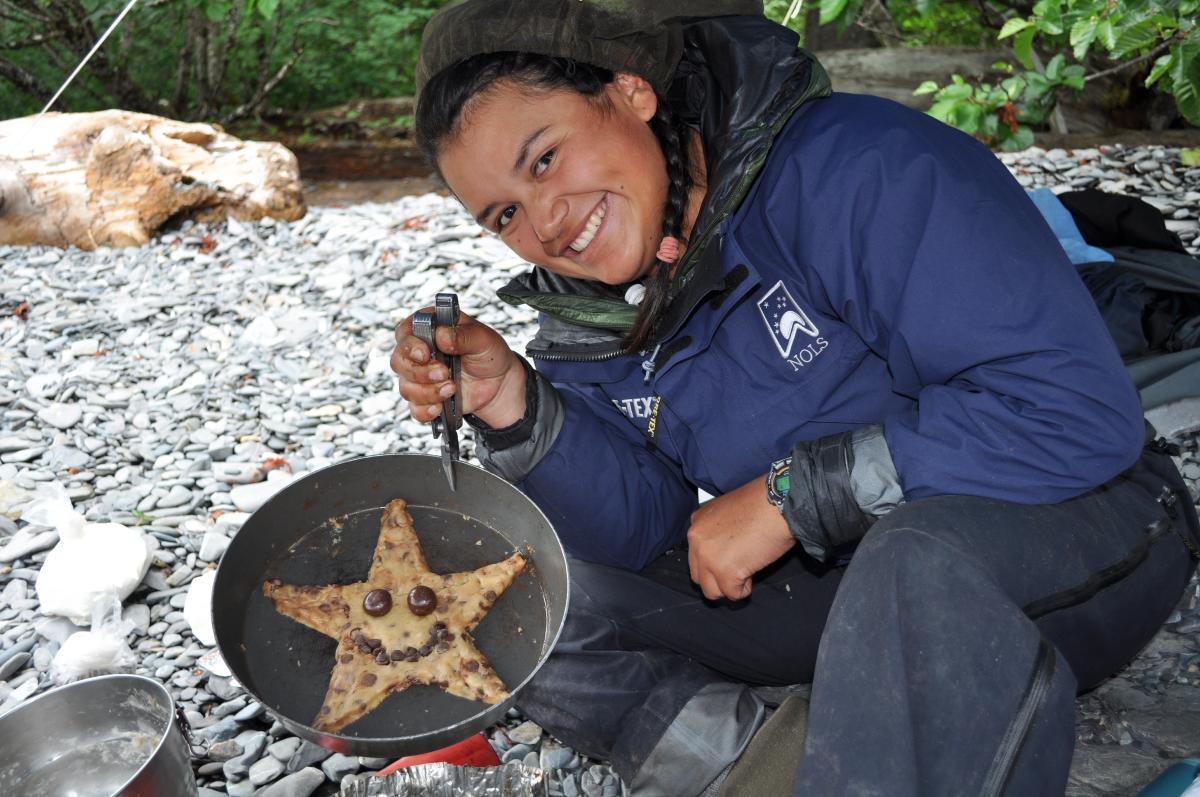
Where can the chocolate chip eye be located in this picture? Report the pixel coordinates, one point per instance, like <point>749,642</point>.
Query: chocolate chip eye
<point>422,600</point>
<point>377,602</point>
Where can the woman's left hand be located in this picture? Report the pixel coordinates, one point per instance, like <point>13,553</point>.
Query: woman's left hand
<point>733,537</point>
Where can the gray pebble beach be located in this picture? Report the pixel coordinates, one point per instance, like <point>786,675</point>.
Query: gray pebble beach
<point>177,386</point>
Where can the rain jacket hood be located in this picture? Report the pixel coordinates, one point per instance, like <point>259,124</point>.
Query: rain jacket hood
<point>737,79</point>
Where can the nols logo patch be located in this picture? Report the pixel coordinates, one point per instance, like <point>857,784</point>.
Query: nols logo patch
<point>786,321</point>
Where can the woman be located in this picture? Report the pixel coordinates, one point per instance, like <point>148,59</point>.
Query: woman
<point>835,315</point>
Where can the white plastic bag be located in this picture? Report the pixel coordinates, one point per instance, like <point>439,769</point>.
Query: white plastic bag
<point>90,559</point>
<point>101,651</point>
<point>197,607</point>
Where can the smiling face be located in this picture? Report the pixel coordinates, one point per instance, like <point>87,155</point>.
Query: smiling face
<point>574,184</point>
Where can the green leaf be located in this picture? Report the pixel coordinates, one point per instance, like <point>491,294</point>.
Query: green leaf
<point>1013,86</point>
<point>1014,26</point>
<point>943,110</point>
<point>1045,8</point>
<point>1002,66</point>
<point>928,87</point>
<point>1106,35</point>
<point>1047,15</point>
<point>1054,68</point>
<point>1190,157</point>
<point>968,117</point>
<point>1161,65</point>
<point>1023,47</point>
<point>1075,82</point>
<point>990,127</point>
<point>925,6</point>
<point>1022,140</point>
<point>831,9</point>
<point>959,91</point>
<point>267,8</point>
<point>1132,39</point>
<point>1185,78</point>
<point>1038,85</point>
<point>1083,33</point>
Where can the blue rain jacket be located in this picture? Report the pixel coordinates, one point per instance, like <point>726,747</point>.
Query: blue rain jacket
<point>884,268</point>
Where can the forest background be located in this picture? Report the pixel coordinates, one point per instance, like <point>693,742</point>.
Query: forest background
<point>258,66</point>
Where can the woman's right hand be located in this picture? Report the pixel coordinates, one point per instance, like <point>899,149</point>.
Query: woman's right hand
<point>493,378</point>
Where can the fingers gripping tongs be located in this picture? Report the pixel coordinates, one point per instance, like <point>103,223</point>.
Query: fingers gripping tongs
<point>445,426</point>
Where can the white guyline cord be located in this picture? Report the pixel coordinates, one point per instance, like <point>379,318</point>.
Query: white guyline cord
<point>793,11</point>
<point>128,7</point>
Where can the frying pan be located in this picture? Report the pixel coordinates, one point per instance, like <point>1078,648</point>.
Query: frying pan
<point>321,529</point>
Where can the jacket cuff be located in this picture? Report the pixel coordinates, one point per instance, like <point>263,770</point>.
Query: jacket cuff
<point>839,485</point>
<point>873,477</point>
<point>513,451</point>
<point>515,433</point>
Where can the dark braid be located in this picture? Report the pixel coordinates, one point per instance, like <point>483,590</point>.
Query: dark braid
<point>443,98</point>
<point>673,136</point>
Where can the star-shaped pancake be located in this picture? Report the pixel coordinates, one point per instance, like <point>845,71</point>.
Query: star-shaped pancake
<point>380,655</point>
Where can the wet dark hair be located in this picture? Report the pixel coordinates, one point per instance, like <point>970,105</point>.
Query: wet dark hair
<point>446,94</point>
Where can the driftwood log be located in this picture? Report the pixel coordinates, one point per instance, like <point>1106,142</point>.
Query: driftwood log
<point>111,178</point>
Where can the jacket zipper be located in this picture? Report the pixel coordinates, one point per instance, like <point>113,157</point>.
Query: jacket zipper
<point>1103,578</point>
<point>575,358</point>
<point>1017,732</point>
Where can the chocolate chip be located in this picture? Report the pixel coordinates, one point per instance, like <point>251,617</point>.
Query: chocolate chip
<point>449,637</point>
<point>490,595</point>
<point>377,602</point>
<point>439,626</point>
<point>382,657</point>
<point>424,651</point>
<point>422,600</point>
<point>442,647</point>
<point>410,651</point>
<point>412,657</point>
<point>367,679</point>
<point>373,643</point>
<point>355,634</point>
<point>347,658</point>
<point>397,655</point>
<point>472,666</point>
<point>443,632</point>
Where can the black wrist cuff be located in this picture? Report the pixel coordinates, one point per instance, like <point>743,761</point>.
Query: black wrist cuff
<point>513,434</point>
<point>820,507</point>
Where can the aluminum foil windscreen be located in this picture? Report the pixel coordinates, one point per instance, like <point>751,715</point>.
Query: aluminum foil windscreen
<point>445,780</point>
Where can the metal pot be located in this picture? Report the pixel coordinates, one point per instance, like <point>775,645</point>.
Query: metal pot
<point>109,736</point>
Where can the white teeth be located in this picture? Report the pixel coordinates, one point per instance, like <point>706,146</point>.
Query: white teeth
<point>589,232</point>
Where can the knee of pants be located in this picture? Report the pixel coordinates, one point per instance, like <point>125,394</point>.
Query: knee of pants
<point>593,610</point>
<point>898,559</point>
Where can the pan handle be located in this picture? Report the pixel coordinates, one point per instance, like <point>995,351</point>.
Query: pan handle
<point>197,748</point>
<point>424,323</point>
<point>446,314</point>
